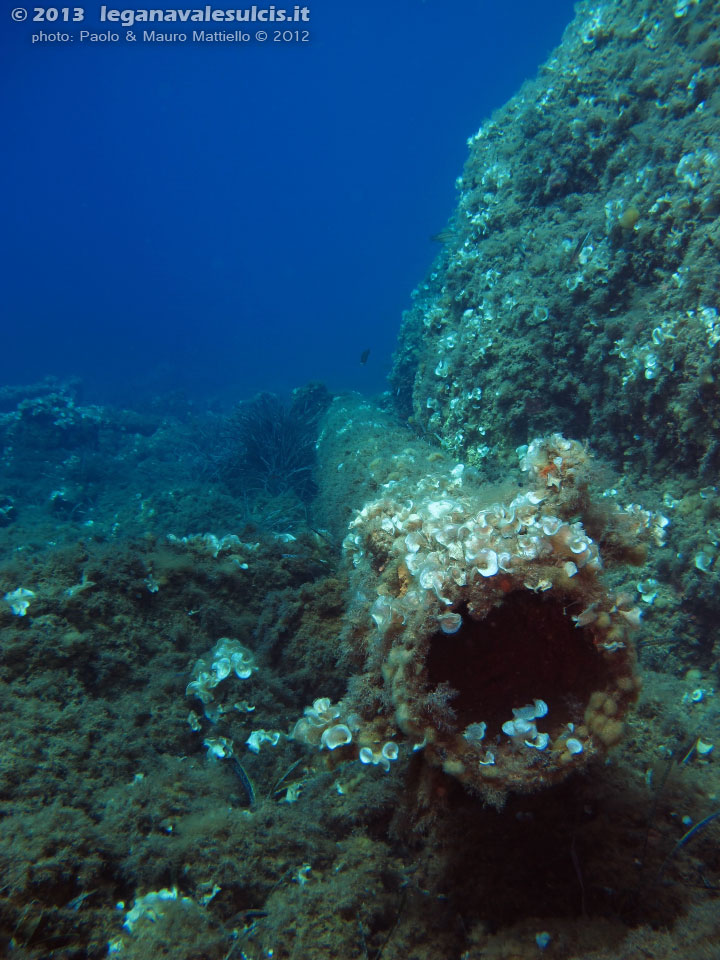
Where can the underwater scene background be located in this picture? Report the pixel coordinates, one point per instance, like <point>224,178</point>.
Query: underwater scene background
<point>359,590</point>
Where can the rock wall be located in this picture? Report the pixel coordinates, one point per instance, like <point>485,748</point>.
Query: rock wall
<point>577,288</point>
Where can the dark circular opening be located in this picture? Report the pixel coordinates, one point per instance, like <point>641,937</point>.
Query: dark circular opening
<point>526,648</point>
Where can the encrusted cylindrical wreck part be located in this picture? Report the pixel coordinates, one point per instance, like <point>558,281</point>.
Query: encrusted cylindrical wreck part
<point>480,629</point>
<point>539,658</point>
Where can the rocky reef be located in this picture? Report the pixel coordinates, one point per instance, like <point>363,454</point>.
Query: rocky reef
<point>434,675</point>
<point>577,288</point>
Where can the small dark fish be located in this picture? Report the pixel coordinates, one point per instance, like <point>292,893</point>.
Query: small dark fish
<point>578,247</point>
<point>245,781</point>
<point>323,534</point>
<point>78,901</point>
<point>447,235</point>
<point>685,837</point>
<point>364,357</point>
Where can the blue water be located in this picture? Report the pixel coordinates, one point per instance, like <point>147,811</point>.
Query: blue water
<point>224,218</point>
